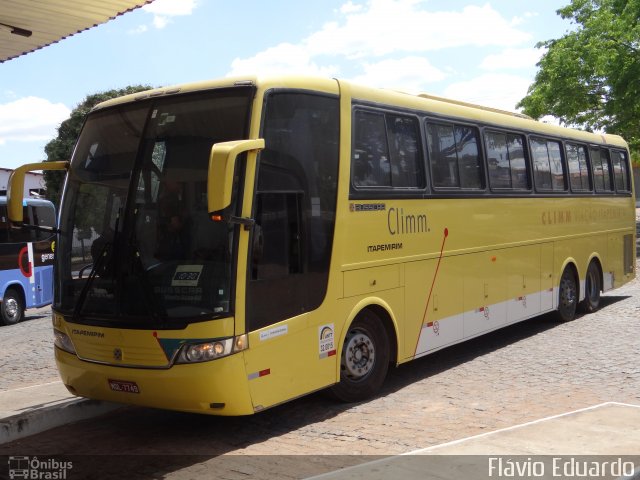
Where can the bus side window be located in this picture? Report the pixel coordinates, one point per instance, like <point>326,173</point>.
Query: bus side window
<point>454,156</point>
<point>406,158</point>
<point>620,171</point>
<point>601,170</point>
<point>578,167</point>
<point>442,154</point>
<point>386,151</point>
<point>43,216</point>
<point>557,166</point>
<point>548,169</point>
<point>18,235</point>
<point>371,166</point>
<point>506,160</point>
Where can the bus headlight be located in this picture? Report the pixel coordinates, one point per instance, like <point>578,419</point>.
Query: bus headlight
<point>63,342</point>
<point>207,351</point>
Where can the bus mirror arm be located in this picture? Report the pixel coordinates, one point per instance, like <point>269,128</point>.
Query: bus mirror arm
<point>15,189</point>
<point>248,223</point>
<point>222,162</point>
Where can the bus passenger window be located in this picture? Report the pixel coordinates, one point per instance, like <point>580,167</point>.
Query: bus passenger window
<point>557,169</point>
<point>406,161</point>
<point>600,166</point>
<point>620,171</point>
<point>548,171</point>
<point>386,151</point>
<point>44,216</point>
<point>370,154</point>
<point>541,167</point>
<point>442,155</point>
<point>507,164</point>
<point>519,178</point>
<point>454,157</point>
<point>578,167</point>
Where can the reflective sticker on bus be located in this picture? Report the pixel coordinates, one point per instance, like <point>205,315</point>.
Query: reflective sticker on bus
<point>435,326</point>
<point>261,373</point>
<point>326,342</point>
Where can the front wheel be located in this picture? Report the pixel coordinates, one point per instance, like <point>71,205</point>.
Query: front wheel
<point>592,289</point>
<point>364,360</point>
<point>11,308</point>
<point>568,296</point>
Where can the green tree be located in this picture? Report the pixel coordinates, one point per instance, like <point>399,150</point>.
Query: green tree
<point>590,77</point>
<point>61,147</point>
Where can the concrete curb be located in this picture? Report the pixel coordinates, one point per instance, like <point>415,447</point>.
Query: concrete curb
<point>31,410</point>
<point>51,416</point>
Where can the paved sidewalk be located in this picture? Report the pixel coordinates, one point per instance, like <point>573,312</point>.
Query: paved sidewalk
<point>30,410</point>
<point>32,399</point>
<point>604,434</point>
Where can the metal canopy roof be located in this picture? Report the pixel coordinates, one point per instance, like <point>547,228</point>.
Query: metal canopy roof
<point>27,25</point>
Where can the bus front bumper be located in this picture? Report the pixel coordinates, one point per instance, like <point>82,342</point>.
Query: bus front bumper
<point>218,387</point>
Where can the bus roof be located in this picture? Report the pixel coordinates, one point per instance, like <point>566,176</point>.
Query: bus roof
<point>439,106</point>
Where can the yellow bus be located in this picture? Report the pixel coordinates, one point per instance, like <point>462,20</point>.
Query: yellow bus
<point>230,245</point>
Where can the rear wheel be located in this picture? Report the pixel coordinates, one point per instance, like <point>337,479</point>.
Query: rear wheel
<point>12,307</point>
<point>364,360</point>
<point>592,289</point>
<point>568,296</point>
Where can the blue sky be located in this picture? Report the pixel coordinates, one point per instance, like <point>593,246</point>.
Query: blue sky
<point>478,51</point>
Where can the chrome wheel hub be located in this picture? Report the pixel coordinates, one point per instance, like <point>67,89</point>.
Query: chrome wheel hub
<point>11,308</point>
<point>359,355</point>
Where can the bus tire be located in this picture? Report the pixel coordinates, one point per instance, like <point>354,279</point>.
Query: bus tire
<point>567,296</point>
<point>12,307</point>
<point>364,360</point>
<point>592,289</point>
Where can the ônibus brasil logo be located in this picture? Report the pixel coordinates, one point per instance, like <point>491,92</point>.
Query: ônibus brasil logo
<point>36,469</point>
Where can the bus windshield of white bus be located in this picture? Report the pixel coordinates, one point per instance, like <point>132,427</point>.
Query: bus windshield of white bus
<point>136,241</point>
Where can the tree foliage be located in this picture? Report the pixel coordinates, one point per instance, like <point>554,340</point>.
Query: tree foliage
<point>61,147</point>
<point>590,77</point>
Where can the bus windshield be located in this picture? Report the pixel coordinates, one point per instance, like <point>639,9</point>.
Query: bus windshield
<point>137,245</point>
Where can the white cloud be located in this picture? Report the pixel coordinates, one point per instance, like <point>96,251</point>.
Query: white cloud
<point>388,26</point>
<point>368,34</point>
<point>513,58</point>
<point>409,74</point>
<point>491,90</point>
<point>30,119</point>
<point>520,20</point>
<point>138,30</point>
<point>285,58</point>
<point>164,10</point>
<point>350,7</point>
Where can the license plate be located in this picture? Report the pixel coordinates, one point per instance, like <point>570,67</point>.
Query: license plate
<point>124,386</point>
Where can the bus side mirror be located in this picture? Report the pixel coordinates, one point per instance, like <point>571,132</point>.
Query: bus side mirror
<point>15,188</point>
<point>222,162</point>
